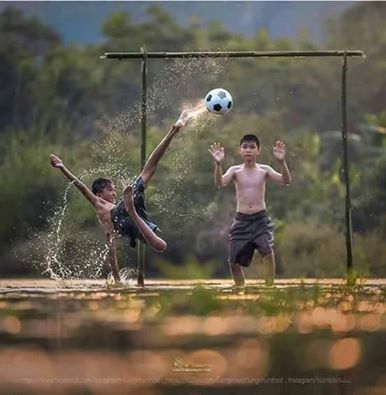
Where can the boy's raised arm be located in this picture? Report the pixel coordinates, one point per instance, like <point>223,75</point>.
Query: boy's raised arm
<point>217,152</point>
<point>279,152</point>
<point>218,155</point>
<point>58,163</point>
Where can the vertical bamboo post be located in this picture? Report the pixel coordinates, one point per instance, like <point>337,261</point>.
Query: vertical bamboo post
<point>141,253</point>
<point>346,168</point>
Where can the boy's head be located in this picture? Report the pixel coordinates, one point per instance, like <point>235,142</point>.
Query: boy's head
<point>105,189</point>
<point>249,147</point>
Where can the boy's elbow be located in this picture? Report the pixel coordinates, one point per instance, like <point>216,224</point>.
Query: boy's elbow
<point>218,183</point>
<point>286,181</point>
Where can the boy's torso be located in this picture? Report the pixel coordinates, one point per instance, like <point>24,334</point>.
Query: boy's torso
<point>103,213</point>
<point>250,188</point>
<point>105,210</point>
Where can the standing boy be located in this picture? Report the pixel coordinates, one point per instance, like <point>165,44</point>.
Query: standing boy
<point>252,228</point>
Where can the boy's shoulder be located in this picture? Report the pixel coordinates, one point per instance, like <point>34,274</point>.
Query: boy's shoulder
<point>104,205</point>
<point>236,168</point>
<point>263,166</point>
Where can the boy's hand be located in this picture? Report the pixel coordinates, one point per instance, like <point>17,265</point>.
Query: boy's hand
<point>279,150</point>
<point>217,152</point>
<point>56,161</point>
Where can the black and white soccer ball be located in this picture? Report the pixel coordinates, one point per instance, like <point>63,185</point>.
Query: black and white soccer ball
<point>218,101</point>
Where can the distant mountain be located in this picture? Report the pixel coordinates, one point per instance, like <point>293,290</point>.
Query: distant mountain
<point>81,21</point>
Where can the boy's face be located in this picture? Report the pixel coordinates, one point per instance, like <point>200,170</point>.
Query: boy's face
<point>109,193</point>
<point>249,150</point>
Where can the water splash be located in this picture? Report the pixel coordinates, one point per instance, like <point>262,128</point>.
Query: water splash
<point>54,240</point>
<point>128,277</point>
<point>88,257</point>
<point>176,74</point>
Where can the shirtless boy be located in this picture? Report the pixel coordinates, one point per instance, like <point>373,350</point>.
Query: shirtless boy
<point>128,217</point>
<point>252,228</point>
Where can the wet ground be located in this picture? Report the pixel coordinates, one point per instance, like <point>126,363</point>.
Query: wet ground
<point>192,337</point>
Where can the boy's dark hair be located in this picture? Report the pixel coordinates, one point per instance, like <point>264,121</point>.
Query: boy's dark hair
<point>250,137</point>
<point>99,185</point>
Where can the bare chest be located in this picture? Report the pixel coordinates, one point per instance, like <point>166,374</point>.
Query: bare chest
<point>104,216</point>
<point>250,178</point>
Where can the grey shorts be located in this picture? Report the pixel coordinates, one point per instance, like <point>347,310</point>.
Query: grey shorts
<point>250,232</point>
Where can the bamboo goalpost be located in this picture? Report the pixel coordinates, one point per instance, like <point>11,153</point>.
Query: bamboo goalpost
<point>344,54</point>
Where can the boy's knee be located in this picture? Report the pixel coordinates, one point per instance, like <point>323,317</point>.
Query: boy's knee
<point>128,190</point>
<point>268,256</point>
<point>160,246</point>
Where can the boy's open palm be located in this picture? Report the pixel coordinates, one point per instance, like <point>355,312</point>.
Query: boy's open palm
<point>217,152</point>
<point>279,150</point>
<point>56,161</point>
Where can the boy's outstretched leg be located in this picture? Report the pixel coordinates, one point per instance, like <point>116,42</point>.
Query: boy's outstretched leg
<point>152,239</point>
<point>152,162</point>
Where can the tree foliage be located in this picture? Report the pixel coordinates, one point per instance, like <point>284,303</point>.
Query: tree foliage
<point>64,99</point>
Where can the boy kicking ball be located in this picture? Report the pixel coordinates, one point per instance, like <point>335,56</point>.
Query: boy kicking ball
<point>128,217</point>
<point>252,228</point>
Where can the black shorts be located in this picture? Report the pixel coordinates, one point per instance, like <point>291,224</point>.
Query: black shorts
<point>250,232</point>
<point>123,224</point>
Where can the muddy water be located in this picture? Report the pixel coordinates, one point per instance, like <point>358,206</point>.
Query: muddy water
<point>87,337</point>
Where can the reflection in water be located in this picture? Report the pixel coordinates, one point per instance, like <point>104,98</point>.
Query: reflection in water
<point>88,337</point>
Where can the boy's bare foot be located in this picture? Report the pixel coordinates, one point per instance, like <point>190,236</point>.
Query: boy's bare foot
<point>128,199</point>
<point>112,281</point>
<point>183,119</point>
<point>238,288</point>
<point>140,281</point>
<point>269,282</point>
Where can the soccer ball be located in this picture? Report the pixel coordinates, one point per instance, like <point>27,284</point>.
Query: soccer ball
<point>218,101</point>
